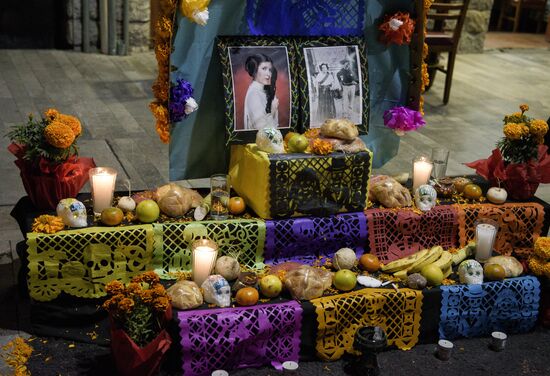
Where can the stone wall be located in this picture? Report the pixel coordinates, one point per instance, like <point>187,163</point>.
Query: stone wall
<point>475,26</point>
<point>139,24</point>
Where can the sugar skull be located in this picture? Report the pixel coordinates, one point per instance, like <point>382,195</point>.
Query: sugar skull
<point>270,140</point>
<point>470,272</point>
<point>425,197</point>
<point>217,291</point>
<point>73,212</point>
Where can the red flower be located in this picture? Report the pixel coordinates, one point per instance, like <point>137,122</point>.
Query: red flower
<point>397,28</point>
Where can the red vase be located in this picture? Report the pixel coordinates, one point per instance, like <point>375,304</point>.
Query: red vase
<point>132,360</point>
<point>46,183</point>
<point>520,190</point>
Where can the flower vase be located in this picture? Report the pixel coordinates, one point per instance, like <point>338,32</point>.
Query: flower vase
<point>130,359</point>
<point>46,183</point>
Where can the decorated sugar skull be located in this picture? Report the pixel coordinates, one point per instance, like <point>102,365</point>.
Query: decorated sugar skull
<point>217,291</point>
<point>270,140</point>
<point>73,212</point>
<point>470,272</point>
<point>425,197</point>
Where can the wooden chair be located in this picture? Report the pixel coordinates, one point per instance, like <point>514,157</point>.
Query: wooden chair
<point>443,36</point>
<point>518,6</point>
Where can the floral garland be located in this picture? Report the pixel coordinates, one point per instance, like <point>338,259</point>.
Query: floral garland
<point>397,28</point>
<point>163,40</point>
<point>196,11</point>
<point>425,50</point>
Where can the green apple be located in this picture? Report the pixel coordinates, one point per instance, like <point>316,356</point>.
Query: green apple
<point>271,286</point>
<point>147,211</point>
<point>433,274</point>
<point>298,143</point>
<point>344,280</point>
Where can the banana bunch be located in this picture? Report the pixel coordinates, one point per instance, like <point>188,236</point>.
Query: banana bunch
<point>464,253</point>
<point>415,262</point>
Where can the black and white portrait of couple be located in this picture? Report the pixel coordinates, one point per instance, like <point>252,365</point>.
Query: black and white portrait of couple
<point>334,81</point>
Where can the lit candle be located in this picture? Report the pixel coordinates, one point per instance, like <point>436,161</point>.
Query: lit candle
<point>204,253</point>
<point>422,169</point>
<point>102,180</point>
<point>485,237</point>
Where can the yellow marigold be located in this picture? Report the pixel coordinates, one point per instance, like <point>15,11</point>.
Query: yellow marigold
<point>72,122</point>
<point>158,290</point>
<point>524,107</point>
<point>542,248</point>
<point>147,296</point>
<point>16,355</point>
<point>160,112</point>
<point>51,113</point>
<point>112,303</point>
<point>421,105</point>
<point>516,117</point>
<point>536,265</point>
<point>321,147</point>
<point>133,288</point>
<point>162,52</point>
<point>163,131</point>
<point>114,287</point>
<point>126,305</point>
<point>47,224</point>
<point>515,131</point>
<point>160,90</point>
<point>59,135</point>
<point>425,51</point>
<point>538,127</point>
<point>547,270</point>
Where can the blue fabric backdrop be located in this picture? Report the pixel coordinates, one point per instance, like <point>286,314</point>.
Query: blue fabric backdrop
<point>197,147</point>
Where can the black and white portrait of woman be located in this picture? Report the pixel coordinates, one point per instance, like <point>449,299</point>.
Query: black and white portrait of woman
<point>334,83</point>
<point>261,87</point>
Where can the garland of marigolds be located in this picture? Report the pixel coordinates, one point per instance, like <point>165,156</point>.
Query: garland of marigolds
<point>196,11</point>
<point>425,50</point>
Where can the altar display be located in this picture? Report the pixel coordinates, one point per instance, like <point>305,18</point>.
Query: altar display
<point>294,248</point>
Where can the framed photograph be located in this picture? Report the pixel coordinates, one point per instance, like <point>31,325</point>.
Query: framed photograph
<point>333,80</point>
<point>260,86</point>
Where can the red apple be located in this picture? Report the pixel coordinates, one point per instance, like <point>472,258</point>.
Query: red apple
<point>497,195</point>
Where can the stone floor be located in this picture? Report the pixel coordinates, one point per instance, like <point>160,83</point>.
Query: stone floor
<point>110,95</point>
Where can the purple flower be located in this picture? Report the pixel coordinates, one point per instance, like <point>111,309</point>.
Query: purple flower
<point>179,94</point>
<point>402,119</point>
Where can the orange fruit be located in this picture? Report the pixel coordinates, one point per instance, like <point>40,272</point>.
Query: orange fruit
<point>236,205</point>
<point>289,135</point>
<point>494,272</point>
<point>472,191</point>
<point>247,296</point>
<point>369,262</point>
<point>112,216</point>
<point>460,183</point>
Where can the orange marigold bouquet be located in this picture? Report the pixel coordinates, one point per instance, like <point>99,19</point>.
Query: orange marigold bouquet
<point>140,307</point>
<point>520,162</point>
<point>47,156</point>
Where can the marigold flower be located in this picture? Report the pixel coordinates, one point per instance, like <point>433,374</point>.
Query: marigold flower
<point>312,133</point>
<point>147,296</point>
<point>425,50</point>
<point>59,135</point>
<point>515,131</point>
<point>164,27</point>
<point>51,113</point>
<point>126,305</point>
<point>524,107</point>
<point>133,288</point>
<point>48,224</point>
<point>147,277</point>
<point>542,248</point>
<point>538,127</point>
<point>536,265</point>
<point>425,77</point>
<point>321,147</point>
<point>72,122</point>
<point>161,304</point>
<point>114,287</point>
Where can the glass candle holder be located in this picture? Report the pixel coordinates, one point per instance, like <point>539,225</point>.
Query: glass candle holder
<point>440,156</point>
<point>102,180</point>
<point>486,233</point>
<point>422,169</point>
<point>204,253</point>
<point>219,190</point>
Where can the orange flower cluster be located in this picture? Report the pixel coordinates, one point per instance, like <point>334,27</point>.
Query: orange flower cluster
<point>321,147</point>
<point>163,40</point>
<point>312,133</point>
<point>47,224</point>
<point>59,135</point>
<point>138,305</point>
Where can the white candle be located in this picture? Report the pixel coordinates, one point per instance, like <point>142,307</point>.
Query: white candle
<point>485,237</point>
<point>422,169</point>
<point>204,259</point>
<point>102,180</point>
<point>499,341</point>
